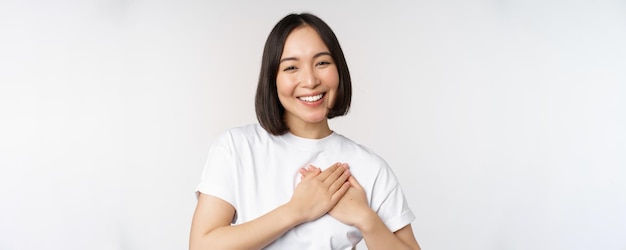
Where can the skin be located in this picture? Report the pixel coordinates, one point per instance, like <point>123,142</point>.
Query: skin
<point>306,70</point>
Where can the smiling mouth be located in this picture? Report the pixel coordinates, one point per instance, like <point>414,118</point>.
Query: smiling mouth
<point>312,98</point>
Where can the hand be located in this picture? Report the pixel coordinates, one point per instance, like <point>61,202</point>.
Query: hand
<point>317,193</point>
<point>352,208</point>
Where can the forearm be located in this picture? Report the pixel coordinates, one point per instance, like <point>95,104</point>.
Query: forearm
<point>377,235</point>
<point>254,234</point>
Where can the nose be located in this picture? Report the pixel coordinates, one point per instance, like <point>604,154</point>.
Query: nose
<point>310,78</point>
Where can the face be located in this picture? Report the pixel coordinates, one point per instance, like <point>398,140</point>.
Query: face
<point>307,78</point>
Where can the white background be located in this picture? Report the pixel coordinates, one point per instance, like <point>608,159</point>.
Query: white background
<point>504,120</point>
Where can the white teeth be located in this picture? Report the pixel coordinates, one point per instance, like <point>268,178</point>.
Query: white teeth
<point>311,98</point>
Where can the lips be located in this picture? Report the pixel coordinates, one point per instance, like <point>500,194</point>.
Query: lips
<point>312,98</point>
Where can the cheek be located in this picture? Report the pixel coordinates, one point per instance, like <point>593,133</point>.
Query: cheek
<point>334,84</point>
<point>284,89</point>
<point>330,77</point>
<point>282,86</point>
<point>331,101</point>
<point>333,80</point>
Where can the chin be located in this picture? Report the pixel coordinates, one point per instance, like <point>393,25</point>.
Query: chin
<point>316,119</point>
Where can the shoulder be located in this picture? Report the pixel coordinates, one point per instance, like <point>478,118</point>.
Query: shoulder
<point>249,130</point>
<point>247,134</point>
<point>372,171</point>
<point>356,150</point>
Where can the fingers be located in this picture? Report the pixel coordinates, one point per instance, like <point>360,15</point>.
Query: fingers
<point>336,171</point>
<point>337,183</point>
<point>340,193</point>
<point>332,177</point>
<point>354,183</point>
<point>302,172</point>
<point>313,170</point>
<point>329,171</point>
<point>309,171</point>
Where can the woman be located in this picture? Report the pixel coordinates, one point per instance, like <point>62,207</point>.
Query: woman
<point>262,186</point>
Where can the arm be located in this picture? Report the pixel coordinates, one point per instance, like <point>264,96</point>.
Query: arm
<point>211,228</point>
<point>312,198</point>
<point>353,210</point>
<point>378,236</point>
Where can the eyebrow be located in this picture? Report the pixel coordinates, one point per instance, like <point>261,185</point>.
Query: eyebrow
<point>325,53</point>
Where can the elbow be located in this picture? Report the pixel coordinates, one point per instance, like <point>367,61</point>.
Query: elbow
<point>200,241</point>
<point>194,243</point>
<point>205,240</point>
<point>414,246</point>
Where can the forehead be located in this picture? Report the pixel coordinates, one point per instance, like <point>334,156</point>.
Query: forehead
<point>302,41</point>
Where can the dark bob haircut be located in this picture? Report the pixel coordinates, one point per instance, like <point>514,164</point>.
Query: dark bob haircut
<point>269,111</point>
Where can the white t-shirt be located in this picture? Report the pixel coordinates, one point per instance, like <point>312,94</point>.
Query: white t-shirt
<point>257,172</point>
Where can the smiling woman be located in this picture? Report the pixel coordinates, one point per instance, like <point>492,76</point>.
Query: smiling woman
<point>262,181</point>
<point>281,57</point>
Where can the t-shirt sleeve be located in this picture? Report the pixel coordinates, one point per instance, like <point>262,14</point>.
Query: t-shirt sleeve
<point>218,174</point>
<point>389,202</point>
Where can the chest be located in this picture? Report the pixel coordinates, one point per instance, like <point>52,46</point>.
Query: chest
<point>324,233</point>
<point>264,183</point>
<point>267,179</point>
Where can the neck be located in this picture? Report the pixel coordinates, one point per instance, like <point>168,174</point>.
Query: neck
<point>310,130</point>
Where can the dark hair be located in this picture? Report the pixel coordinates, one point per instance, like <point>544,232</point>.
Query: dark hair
<point>269,111</point>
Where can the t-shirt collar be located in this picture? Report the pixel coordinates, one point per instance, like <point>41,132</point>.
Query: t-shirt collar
<point>309,144</point>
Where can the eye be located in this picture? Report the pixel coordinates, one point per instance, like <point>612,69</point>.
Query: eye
<point>290,68</point>
<point>323,63</point>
